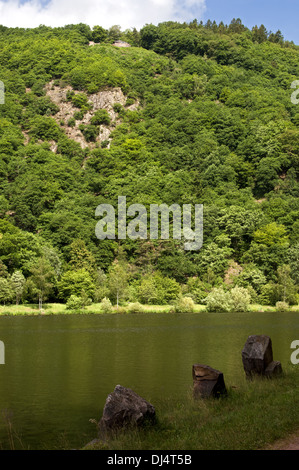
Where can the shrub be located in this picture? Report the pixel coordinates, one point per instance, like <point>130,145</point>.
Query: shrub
<point>92,88</point>
<point>104,144</point>
<point>119,310</point>
<point>46,128</point>
<point>282,306</point>
<point>71,122</point>
<point>78,115</point>
<point>89,131</point>
<point>106,305</point>
<point>69,95</point>
<point>240,298</point>
<point>74,303</point>
<point>80,100</point>
<point>184,305</point>
<point>129,102</point>
<point>135,307</point>
<point>218,301</point>
<point>100,117</point>
<point>117,107</point>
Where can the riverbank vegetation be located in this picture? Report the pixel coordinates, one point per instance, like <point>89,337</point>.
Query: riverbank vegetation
<point>194,114</point>
<point>130,308</point>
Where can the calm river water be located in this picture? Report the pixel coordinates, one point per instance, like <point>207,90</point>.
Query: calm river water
<point>59,369</point>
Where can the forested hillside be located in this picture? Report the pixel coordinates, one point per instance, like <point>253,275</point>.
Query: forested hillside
<point>189,114</point>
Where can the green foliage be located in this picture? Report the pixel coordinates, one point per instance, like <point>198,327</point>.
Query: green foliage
<point>158,290</point>
<point>74,303</point>
<point>214,125</point>
<point>118,280</point>
<point>100,117</point>
<point>6,290</point>
<point>282,306</point>
<point>271,234</point>
<point>218,300</point>
<point>75,283</point>
<point>80,100</point>
<point>80,257</point>
<point>42,279</point>
<point>89,131</point>
<point>134,307</point>
<point>184,305</point>
<point>240,299</point>
<point>106,305</point>
<point>237,299</point>
<point>18,285</point>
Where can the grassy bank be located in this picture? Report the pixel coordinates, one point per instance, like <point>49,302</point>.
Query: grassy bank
<point>60,309</point>
<point>252,416</point>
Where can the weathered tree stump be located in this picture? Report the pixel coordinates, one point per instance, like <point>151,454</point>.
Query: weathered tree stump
<point>207,382</point>
<point>257,357</point>
<point>125,408</point>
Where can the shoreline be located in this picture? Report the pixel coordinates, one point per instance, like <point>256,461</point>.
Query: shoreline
<point>95,309</point>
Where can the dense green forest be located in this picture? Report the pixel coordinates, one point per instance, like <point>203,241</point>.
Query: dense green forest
<point>189,114</point>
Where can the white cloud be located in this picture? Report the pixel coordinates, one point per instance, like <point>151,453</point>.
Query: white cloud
<point>126,13</point>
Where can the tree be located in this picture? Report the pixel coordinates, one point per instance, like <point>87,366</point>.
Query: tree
<point>81,257</point>
<point>101,285</point>
<point>42,277</point>
<point>271,234</point>
<point>6,292</point>
<point>118,280</point>
<point>114,33</point>
<point>99,34</point>
<point>285,288</point>
<point>18,285</point>
<point>76,283</point>
<point>260,34</point>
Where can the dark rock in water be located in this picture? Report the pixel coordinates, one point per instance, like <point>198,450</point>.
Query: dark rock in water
<point>273,369</point>
<point>124,408</point>
<point>257,357</point>
<point>207,382</point>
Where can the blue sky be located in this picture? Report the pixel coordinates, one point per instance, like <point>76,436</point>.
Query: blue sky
<point>274,14</point>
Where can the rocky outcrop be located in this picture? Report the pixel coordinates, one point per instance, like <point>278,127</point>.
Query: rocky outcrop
<point>207,382</point>
<point>124,408</point>
<point>104,99</point>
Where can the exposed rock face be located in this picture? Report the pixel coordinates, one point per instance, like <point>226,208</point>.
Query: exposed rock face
<point>207,382</point>
<point>121,44</point>
<point>104,99</point>
<point>257,357</point>
<point>123,408</point>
